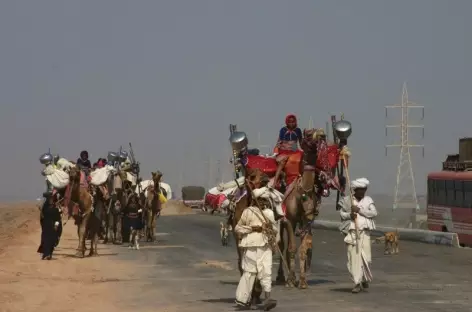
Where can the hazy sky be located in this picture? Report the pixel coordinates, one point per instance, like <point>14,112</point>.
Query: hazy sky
<point>170,76</point>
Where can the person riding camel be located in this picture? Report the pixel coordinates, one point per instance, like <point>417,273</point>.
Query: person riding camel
<point>84,164</point>
<point>289,142</point>
<point>83,161</point>
<point>101,162</point>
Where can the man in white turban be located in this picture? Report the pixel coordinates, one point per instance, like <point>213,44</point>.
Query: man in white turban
<point>357,216</point>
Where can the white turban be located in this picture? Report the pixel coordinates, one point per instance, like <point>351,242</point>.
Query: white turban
<point>360,183</point>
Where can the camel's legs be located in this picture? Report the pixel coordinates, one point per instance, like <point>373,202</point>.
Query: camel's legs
<point>148,225</point>
<point>291,251</point>
<point>82,235</point>
<point>280,273</point>
<point>118,227</point>
<point>94,228</point>
<point>153,226</point>
<point>305,245</point>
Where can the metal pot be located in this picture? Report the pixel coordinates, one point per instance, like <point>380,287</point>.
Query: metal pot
<point>343,129</point>
<point>46,159</point>
<point>238,141</point>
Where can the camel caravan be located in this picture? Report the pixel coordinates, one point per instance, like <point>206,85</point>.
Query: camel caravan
<point>304,169</point>
<point>107,201</point>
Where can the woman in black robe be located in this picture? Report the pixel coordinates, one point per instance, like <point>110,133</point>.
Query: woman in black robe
<point>50,221</point>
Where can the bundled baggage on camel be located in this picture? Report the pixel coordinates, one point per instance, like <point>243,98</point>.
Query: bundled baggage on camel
<point>59,179</point>
<point>131,178</point>
<point>100,176</point>
<point>144,185</point>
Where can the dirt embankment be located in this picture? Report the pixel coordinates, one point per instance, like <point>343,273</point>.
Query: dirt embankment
<point>174,208</point>
<point>17,220</point>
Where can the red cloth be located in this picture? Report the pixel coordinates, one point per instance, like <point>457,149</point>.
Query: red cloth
<point>291,116</point>
<point>266,164</point>
<point>214,201</point>
<point>328,158</point>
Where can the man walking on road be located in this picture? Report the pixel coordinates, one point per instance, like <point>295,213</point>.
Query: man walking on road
<point>357,216</point>
<point>257,258</point>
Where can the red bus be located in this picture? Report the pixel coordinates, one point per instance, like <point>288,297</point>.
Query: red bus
<point>449,204</point>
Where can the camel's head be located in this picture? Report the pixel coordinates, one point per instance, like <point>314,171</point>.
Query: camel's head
<point>310,137</point>
<point>74,174</point>
<point>156,176</point>
<point>309,145</point>
<point>256,178</point>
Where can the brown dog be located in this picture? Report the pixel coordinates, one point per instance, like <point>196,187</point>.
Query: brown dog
<point>391,242</point>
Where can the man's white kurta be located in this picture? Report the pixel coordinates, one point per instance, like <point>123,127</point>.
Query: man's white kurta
<point>257,257</point>
<point>359,257</point>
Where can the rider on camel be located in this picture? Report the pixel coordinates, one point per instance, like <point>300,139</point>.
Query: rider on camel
<point>83,161</point>
<point>290,134</point>
<point>84,164</point>
<point>289,141</point>
<point>101,162</point>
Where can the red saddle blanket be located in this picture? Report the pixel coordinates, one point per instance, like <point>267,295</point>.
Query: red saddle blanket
<point>214,201</point>
<point>266,164</point>
<point>327,160</point>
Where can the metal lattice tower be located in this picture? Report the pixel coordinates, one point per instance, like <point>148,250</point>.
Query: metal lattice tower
<point>405,189</point>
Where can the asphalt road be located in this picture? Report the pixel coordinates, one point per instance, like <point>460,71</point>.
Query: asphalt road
<point>189,270</point>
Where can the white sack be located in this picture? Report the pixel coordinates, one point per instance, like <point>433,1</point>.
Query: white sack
<point>100,175</point>
<point>145,184</point>
<point>64,164</point>
<point>131,178</point>
<point>58,178</point>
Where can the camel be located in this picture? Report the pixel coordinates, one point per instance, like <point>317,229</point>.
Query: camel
<point>88,225</point>
<point>301,209</point>
<point>113,219</point>
<point>152,206</point>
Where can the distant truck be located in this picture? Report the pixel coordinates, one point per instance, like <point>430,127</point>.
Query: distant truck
<point>193,196</point>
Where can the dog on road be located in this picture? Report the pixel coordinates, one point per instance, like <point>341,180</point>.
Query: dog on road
<point>391,240</point>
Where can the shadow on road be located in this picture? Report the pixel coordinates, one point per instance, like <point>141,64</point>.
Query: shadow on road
<point>342,290</point>
<point>220,300</point>
<point>319,282</point>
<point>64,255</point>
<point>274,283</point>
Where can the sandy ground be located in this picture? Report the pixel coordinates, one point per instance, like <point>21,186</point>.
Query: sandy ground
<point>175,207</point>
<point>65,283</point>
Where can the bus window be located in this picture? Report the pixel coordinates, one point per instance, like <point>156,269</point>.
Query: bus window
<point>441,198</point>
<point>431,194</point>
<point>450,199</point>
<point>459,193</point>
<point>467,194</point>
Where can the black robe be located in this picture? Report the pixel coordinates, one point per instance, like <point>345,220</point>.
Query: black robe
<point>49,235</point>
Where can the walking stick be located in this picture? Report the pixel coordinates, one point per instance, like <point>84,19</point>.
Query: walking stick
<point>348,182</point>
